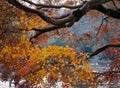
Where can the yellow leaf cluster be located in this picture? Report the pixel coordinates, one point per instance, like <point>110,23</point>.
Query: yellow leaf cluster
<point>10,55</point>
<point>52,62</point>
<point>60,63</point>
<point>29,22</point>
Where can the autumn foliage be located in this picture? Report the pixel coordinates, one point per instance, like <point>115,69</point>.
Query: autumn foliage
<point>27,26</point>
<point>54,62</point>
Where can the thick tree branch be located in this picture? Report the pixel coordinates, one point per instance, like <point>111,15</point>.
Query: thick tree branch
<point>109,12</point>
<point>70,18</point>
<point>104,48</point>
<point>39,6</point>
<point>58,22</point>
<point>85,7</point>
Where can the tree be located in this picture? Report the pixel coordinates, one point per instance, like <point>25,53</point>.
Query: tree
<point>44,16</point>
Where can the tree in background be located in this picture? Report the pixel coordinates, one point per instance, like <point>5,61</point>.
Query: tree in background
<point>25,23</point>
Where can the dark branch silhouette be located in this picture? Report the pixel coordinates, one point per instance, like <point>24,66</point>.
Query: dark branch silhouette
<point>83,9</point>
<point>103,48</point>
<point>69,18</point>
<point>39,6</point>
<point>109,12</point>
<point>41,14</point>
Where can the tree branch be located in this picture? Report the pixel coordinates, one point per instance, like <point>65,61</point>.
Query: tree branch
<point>41,31</point>
<point>48,29</point>
<point>104,48</point>
<point>57,22</point>
<point>68,19</point>
<point>85,7</point>
<point>39,6</point>
<point>109,12</point>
